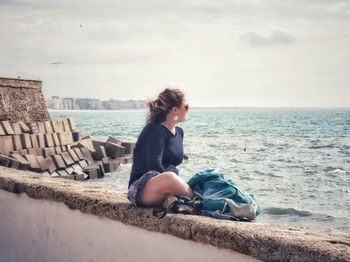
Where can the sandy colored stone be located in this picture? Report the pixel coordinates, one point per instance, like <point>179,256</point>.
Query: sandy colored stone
<point>34,141</point>
<point>22,100</point>
<point>26,141</point>
<point>16,128</point>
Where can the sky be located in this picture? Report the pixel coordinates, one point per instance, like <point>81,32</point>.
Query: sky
<point>257,53</point>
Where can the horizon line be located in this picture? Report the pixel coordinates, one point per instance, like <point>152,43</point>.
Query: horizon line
<point>222,107</point>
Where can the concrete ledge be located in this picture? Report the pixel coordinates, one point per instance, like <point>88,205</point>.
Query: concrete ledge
<point>262,241</point>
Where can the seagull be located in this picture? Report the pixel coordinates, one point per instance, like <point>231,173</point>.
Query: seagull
<point>55,63</point>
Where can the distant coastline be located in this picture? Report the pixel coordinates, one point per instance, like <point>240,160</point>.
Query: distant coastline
<point>70,103</point>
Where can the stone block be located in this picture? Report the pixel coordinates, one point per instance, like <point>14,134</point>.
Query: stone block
<point>114,140</point>
<point>67,158</point>
<point>55,127</point>
<point>17,143</point>
<point>63,173</point>
<point>78,153</point>
<point>106,160</point>
<point>24,127</point>
<point>16,128</point>
<point>15,164</point>
<point>101,172</point>
<point>126,159</point>
<point>114,150</point>
<point>71,123</point>
<point>50,164</point>
<point>77,167</point>
<point>58,160</point>
<point>34,141</point>
<point>42,163</point>
<point>62,137</point>
<point>7,127</point>
<point>26,141</point>
<point>11,160</point>
<point>83,163</point>
<point>76,135</point>
<point>92,172</point>
<point>129,146</point>
<point>73,155</point>
<point>69,170</point>
<point>41,127</point>
<point>97,143</point>
<point>116,164</point>
<point>48,140</point>
<point>60,125</point>
<point>15,152</point>
<point>87,143</point>
<point>34,129</point>
<point>87,155</point>
<point>66,125</point>
<point>85,137</point>
<point>49,151</point>
<point>69,138</point>
<point>48,127</point>
<point>55,139</point>
<point>35,151</point>
<point>6,145</point>
<point>109,167</point>
<point>100,152</point>
<point>46,152</point>
<point>23,152</point>
<point>58,150</point>
<point>34,165</point>
<point>41,140</point>
<point>79,175</point>
<point>24,164</point>
<point>4,161</point>
<point>2,131</point>
<point>55,174</point>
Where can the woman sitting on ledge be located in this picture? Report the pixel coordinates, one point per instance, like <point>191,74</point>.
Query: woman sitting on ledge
<point>159,149</point>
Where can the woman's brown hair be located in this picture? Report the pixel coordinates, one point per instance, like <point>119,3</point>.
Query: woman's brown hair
<point>159,108</point>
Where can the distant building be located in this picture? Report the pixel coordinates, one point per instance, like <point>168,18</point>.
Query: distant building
<point>69,103</point>
<point>53,103</point>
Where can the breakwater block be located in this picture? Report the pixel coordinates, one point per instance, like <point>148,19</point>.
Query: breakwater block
<point>57,148</point>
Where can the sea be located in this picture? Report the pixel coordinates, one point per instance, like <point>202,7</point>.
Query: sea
<point>296,162</point>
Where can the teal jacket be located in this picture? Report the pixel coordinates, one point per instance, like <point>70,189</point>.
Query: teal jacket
<point>222,198</point>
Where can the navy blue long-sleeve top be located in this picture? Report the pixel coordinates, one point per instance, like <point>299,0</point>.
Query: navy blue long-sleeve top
<point>157,148</point>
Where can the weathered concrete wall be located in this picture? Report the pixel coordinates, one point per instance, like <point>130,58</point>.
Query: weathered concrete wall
<point>262,241</point>
<point>43,230</point>
<point>22,100</point>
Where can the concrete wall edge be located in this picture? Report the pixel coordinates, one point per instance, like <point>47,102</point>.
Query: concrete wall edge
<point>262,241</point>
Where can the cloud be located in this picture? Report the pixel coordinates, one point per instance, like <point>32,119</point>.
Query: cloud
<point>276,38</point>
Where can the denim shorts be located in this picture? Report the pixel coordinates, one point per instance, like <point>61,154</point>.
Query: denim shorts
<point>139,184</point>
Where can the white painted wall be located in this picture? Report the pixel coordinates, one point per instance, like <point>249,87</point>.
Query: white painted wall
<point>41,230</point>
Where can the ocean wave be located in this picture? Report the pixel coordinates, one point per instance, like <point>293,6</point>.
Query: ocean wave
<point>267,174</point>
<point>334,170</point>
<point>322,146</point>
<point>286,211</point>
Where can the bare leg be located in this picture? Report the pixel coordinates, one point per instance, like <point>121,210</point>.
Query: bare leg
<point>160,187</point>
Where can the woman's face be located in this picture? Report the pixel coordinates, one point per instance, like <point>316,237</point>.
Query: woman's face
<point>182,111</point>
